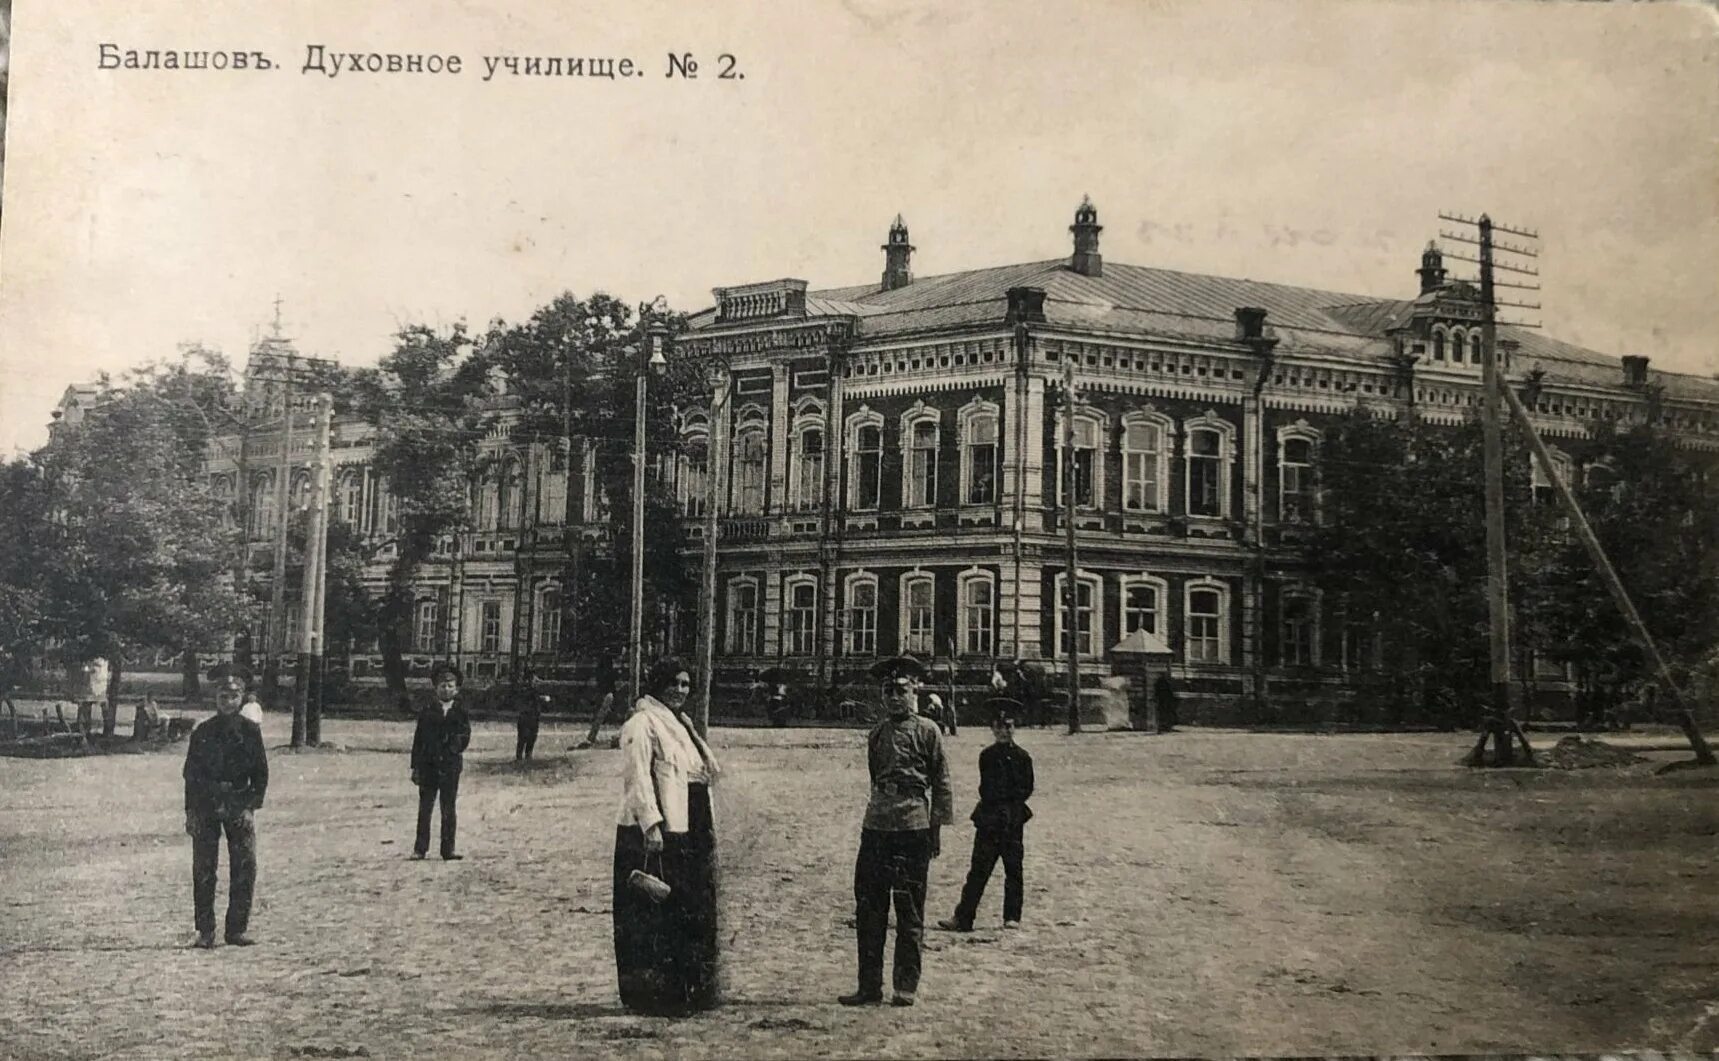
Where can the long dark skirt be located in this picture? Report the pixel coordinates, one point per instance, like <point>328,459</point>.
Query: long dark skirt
<point>666,953</point>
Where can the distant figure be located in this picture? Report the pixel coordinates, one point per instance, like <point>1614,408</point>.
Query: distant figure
<point>607,687</point>
<point>1005,785</point>
<point>1164,695</point>
<point>226,777</point>
<point>910,803</point>
<point>438,755</point>
<point>252,708</point>
<point>939,713</point>
<point>779,707</point>
<point>529,716</point>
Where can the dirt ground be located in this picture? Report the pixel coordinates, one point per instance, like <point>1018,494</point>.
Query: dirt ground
<point>1202,893</point>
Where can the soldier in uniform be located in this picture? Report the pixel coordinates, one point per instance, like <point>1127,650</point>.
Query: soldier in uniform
<point>910,803</point>
<point>226,777</point>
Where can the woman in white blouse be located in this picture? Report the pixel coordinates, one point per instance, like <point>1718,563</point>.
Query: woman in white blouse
<point>665,951</point>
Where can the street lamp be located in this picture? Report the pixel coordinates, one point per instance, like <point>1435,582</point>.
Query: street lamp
<point>717,376</point>
<point>657,333</point>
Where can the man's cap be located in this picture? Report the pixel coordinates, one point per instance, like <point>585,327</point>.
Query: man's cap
<point>220,672</point>
<point>440,669</point>
<point>901,669</point>
<point>1003,708</point>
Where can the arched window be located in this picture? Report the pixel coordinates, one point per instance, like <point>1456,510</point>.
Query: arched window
<point>1205,625</point>
<point>489,502</point>
<point>921,433</point>
<point>979,453</point>
<point>865,461</point>
<point>549,619</point>
<point>743,614</point>
<point>351,497</point>
<point>1090,622</point>
<point>552,488</point>
<point>221,490</point>
<point>799,615</point>
<point>1143,603</point>
<point>976,619</point>
<point>918,612</point>
<point>807,488</point>
<point>512,494</point>
<point>1145,459</point>
<point>1088,460</point>
<point>1210,451</point>
<point>692,474</point>
<point>861,625</point>
<point>1298,628</point>
<point>263,503</point>
<point>1474,347</point>
<point>750,457</point>
<point>1297,488</point>
<point>300,500</point>
<point>1438,345</point>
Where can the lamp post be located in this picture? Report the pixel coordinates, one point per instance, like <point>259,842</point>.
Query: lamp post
<point>717,377</point>
<point>657,333</point>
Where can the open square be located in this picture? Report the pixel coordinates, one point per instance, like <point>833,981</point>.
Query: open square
<point>1204,893</point>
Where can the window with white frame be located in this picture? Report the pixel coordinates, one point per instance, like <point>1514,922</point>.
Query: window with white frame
<point>512,494</point>
<point>800,616</point>
<point>807,488</point>
<point>489,626</point>
<point>1298,629</point>
<point>1088,461</point>
<point>1297,492</point>
<point>1206,622</point>
<point>743,615</point>
<point>918,612</point>
<point>865,461</point>
<point>1086,615</point>
<point>427,626</point>
<point>861,625</point>
<point>977,617</point>
<point>979,454</point>
<point>388,508</point>
<point>1544,493</point>
<point>1145,453</point>
<point>300,499</point>
<point>692,475</point>
<point>1143,598</point>
<point>1210,446</point>
<point>549,620</point>
<point>489,502</point>
<point>920,488</point>
<point>750,457</point>
<point>263,504</point>
<point>552,488</point>
<point>1360,642</point>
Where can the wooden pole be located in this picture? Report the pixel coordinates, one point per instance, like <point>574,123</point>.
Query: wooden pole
<point>1071,579</point>
<point>1608,575</point>
<point>318,644</point>
<point>1497,573</point>
<point>277,587</point>
<point>715,459</point>
<point>301,733</point>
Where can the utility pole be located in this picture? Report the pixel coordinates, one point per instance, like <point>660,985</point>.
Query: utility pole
<point>636,614</point>
<point>1503,730</point>
<point>309,653</point>
<point>715,453</point>
<point>277,587</point>
<point>1071,578</point>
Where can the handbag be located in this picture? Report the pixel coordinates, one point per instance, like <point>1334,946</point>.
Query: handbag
<point>654,887</point>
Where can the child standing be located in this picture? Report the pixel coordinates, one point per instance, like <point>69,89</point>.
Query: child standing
<point>1005,785</point>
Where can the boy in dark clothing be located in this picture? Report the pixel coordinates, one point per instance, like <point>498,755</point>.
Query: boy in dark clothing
<point>531,706</point>
<point>1005,785</point>
<point>438,755</point>
<point>226,776</point>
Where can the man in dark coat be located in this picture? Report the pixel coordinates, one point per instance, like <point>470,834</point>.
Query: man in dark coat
<point>226,776</point>
<point>530,715</point>
<point>1005,785</point>
<point>438,755</point>
<point>910,803</point>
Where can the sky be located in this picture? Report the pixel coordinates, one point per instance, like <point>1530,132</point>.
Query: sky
<point>1310,142</point>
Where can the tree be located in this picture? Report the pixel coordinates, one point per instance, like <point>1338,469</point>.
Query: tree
<point>137,553</point>
<point>571,370</point>
<point>429,405</point>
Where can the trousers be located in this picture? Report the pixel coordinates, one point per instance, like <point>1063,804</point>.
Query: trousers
<point>241,871</point>
<point>526,740</point>
<point>447,789</point>
<point>892,866</point>
<point>989,845</point>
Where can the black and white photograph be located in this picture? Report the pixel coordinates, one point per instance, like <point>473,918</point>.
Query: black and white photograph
<point>859,528</point>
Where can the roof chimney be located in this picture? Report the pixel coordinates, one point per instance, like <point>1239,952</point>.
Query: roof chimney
<point>1250,323</point>
<point>1026,304</point>
<point>897,254</point>
<point>1635,371</point>
<point>1432,267</point>
<point>1086,261</point>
